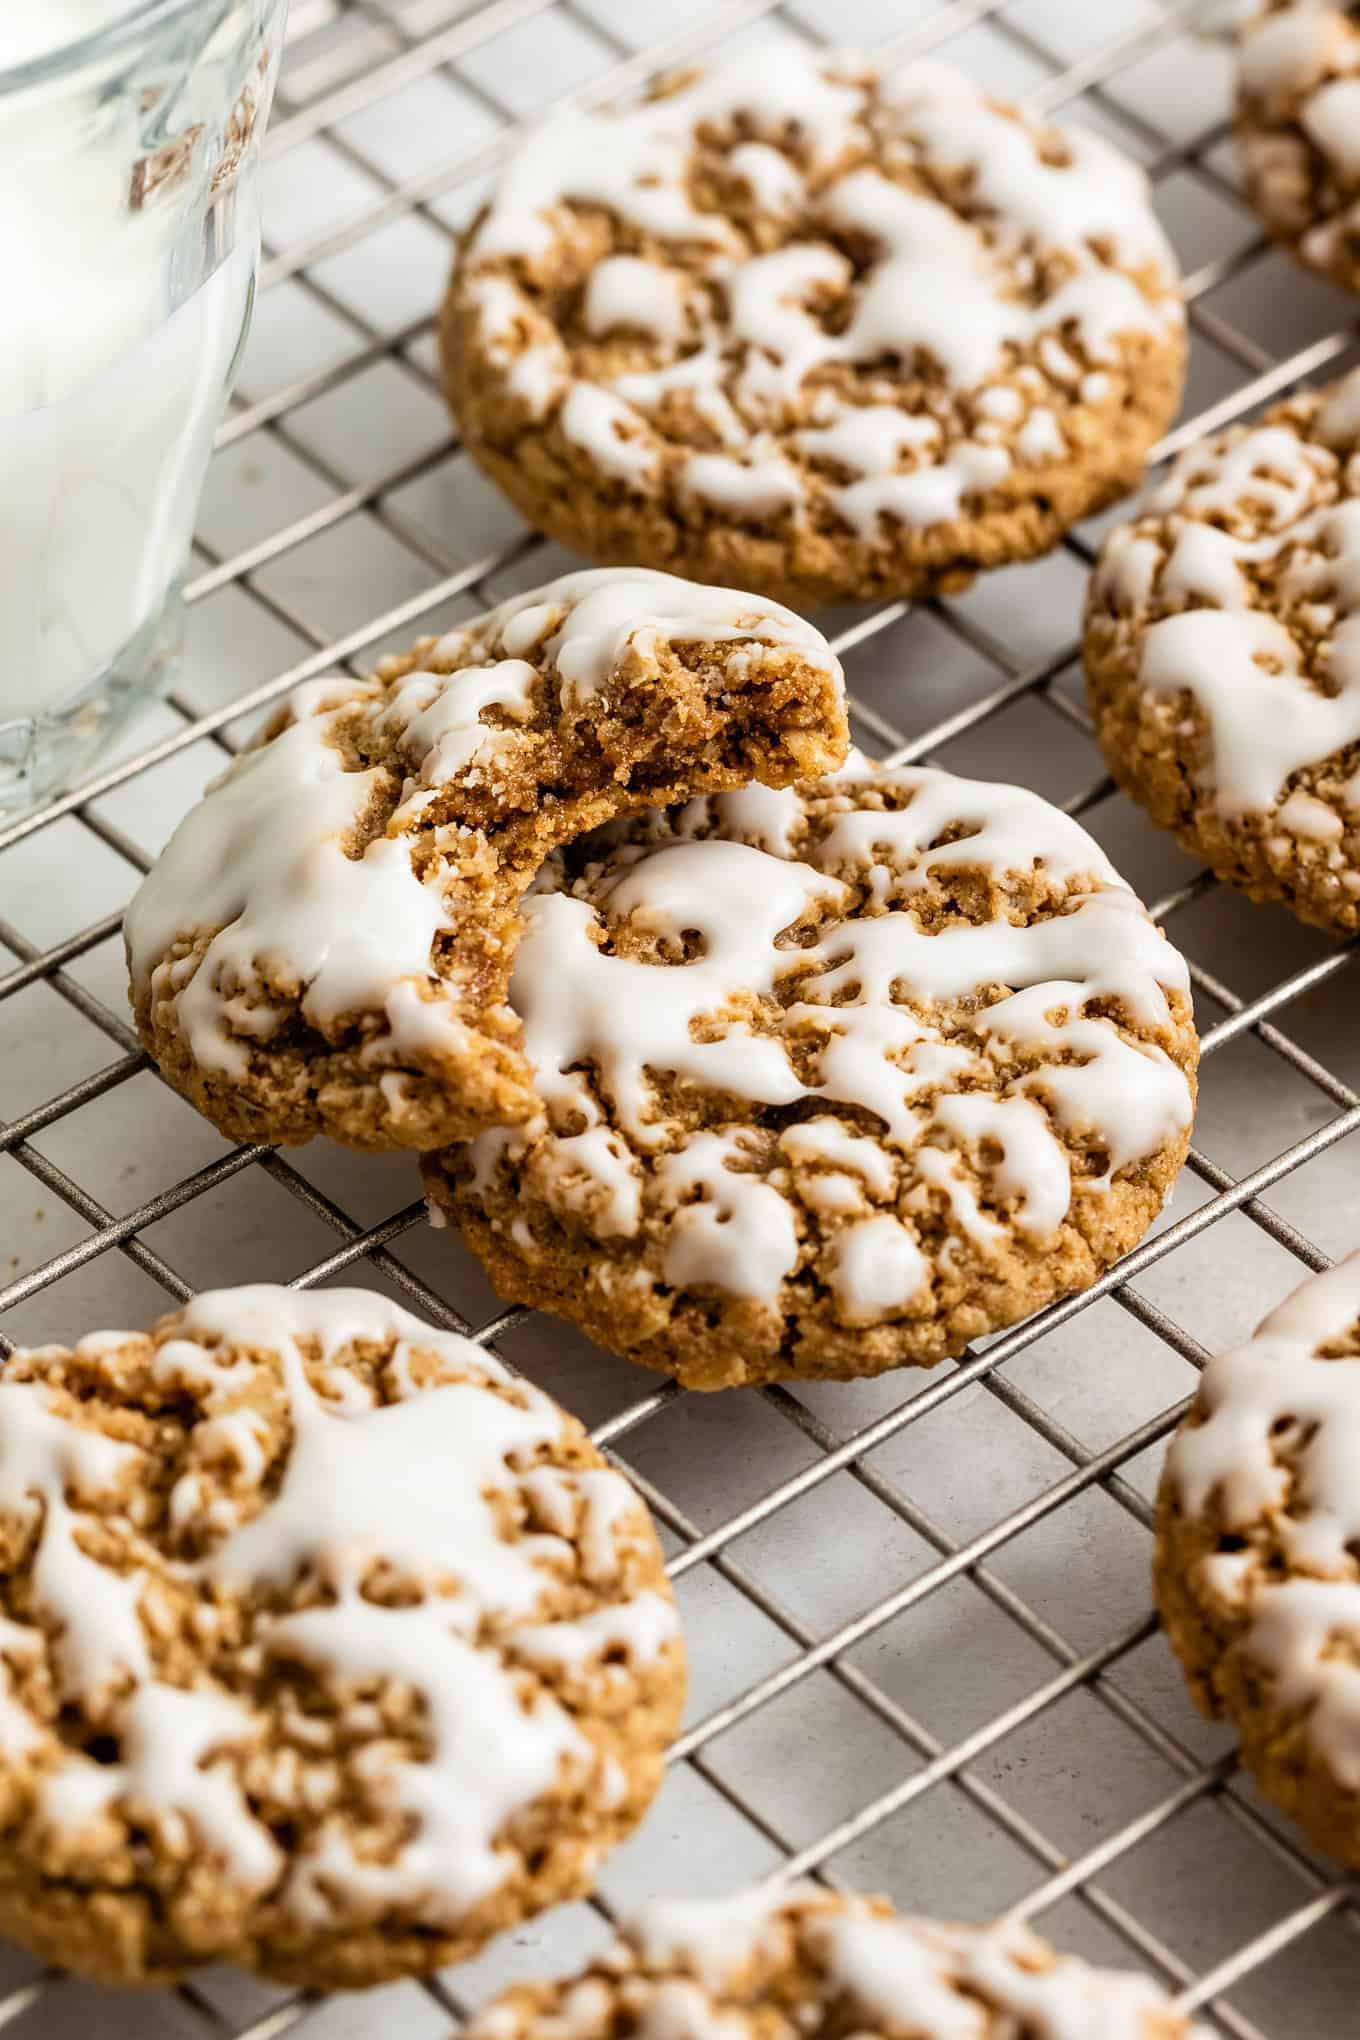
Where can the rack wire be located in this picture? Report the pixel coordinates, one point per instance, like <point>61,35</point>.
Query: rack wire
<point>923,1653</point>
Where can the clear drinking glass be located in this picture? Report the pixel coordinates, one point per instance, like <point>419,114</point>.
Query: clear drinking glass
<point>129,237</point>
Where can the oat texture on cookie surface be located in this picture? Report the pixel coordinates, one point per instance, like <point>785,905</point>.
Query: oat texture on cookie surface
<point>324,944</point>
<point>826,329</point>
<point>833,1079</point>
<point>783,1963</point>
<point>329,1647</point>
<point>1258,1531</point>
<point>1298,126</point>
<point>1222,650</point>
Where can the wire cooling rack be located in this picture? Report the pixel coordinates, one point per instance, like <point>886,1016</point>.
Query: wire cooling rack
<point>923,1655</point>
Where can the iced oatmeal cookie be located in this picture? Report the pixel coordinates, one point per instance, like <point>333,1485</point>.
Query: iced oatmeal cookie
<point>1298,126</point>
<point>1222,653</point>
<point>833,1080</point>
<point>825,330</point>
<point>803,1963</point>
<point>1258,1553</point>
<point>324,944</point>
<point>326,1645</point>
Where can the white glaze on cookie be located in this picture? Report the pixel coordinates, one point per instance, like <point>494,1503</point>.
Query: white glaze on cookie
<point>264,860</point>
<point>423,1488</point>
<point>693,1966</point>
<point>626,292</point>
<point>1279,1443</point>
<point>1299,90</point>
<point>1267,497</point>
<point>801,130</point>
<point>268,859</point>
<point>771,992</point>
<point>1289,50</point>
<point>877,1269</point>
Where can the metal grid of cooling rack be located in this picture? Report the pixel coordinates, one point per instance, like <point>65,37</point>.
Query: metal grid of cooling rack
<point>922,1650</point>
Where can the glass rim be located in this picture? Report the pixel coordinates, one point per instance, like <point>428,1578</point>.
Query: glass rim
<point>140,17</point>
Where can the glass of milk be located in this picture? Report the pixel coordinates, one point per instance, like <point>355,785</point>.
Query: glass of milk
<point>129,235</point>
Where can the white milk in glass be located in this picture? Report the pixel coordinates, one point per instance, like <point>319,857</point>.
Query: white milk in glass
<point>119,324</point>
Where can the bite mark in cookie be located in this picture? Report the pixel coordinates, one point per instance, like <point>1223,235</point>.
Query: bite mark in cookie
<point>327,1645</point>
<point>324,944</point>
<point>1222,650</point>
<point>781,1964</point>
<point>833,1079</point>
<point>832,331</point>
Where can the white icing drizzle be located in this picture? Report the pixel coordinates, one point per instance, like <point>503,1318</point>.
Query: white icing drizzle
<point>44,1458</point>
<point>1311,820</point>
<point>1288,50</point>
<point>763,815</point>
<point>580,627</point>
<point>578,1002</point>
<point>753,488</point>
<point>830,1140</point>
<point>772,179</point>
<point>593,1175</point>
<point>472,1782</point>
<point>1032,1170</point>
<point>1039,438</point>
<point>333,1513</point>
<point>1004,828</point>
<point>626,292</point>
<point>877,1269</point>
<point>941,1973</point>
<point>1331,119</point>
<point>643,1626</point>
<point>634,162</point>
<point>691,1016</point>
<point>521,343</point>
<point>714,1940</point>
<point>1279,1446</point>
<point>1299,92</point>
<point>422,1487</point>
<point>48,1466</point>
<point>1265,719</point>
<point>963,294</point>
<point>265,858</point>
<point>169,1738</point>
<point>439,717</point>
<point>610,431</point>
<point>894,1973</point>
<point>741,1236</point>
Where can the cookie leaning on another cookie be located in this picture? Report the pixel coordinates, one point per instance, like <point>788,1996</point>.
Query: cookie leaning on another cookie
<point>1258,1553</point>
<point>327,1646</point>
<point>834,1079</point>
<point>813,327</point>
<point>1298,127</point>
<point>324,944</point>
<point>1222,649</point>
<point>783,1964</point>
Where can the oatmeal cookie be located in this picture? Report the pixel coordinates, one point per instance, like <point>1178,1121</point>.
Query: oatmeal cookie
<point>326,1645</point>
<point>1298,127</point>
<point>1222,651</point>
<point>324,944</point>
<point>801,1963</point>
<point>830,331</point>
<point>1258,1554</point>
<point>833,1080</point>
